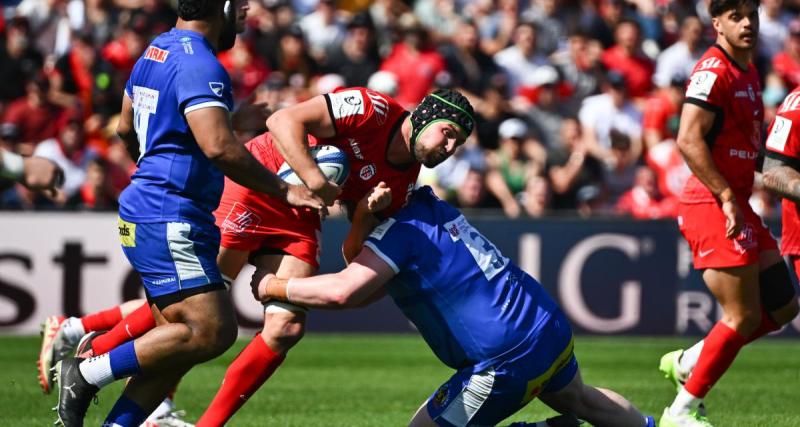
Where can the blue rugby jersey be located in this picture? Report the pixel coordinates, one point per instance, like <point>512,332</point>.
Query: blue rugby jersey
<point>471,304</point>
<point>175,182</point>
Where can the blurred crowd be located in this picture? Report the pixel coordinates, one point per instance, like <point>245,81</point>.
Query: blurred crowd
<point>577,101</point>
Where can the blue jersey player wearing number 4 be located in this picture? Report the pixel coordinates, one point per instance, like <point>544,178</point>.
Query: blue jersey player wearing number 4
<point>480,314</point>
<point>176,120</point>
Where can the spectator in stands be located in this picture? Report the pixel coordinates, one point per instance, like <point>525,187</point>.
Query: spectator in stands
<point>73,82</point>
<point>68,151</point>
<point>547,107</point>
<point>123,51</point>
<point>96,193</point>
<point>662,112</point>
<point>439,17</point>
<point>471,194</point>
<point>293,58</point>
<point>543,14</point>
<point>612,109</point>
<point>571,167</point>
<point>268,21</point>
<point>52,22</point>
<point>496,20</point>
<point>520,60</point>
<point>517,159</point>
<point>19,60</point>
<point>30,119</point>
<point>643,200</point>
<point>414,61</point>
<point>679,59</point>
<point>787,62</point>
<point>246,69</point>
<point>535,200</point>
<point>580,67</point>
<point>356,58</point>
<point>626,58</point>
<point>773,27</point>
<point>469,67</point>
<point>384,82</point>
<point>324,28</point>
<point>621,171</point>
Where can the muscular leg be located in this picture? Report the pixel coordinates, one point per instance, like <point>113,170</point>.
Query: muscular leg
<point>601,407</point>
<point>259,359</point>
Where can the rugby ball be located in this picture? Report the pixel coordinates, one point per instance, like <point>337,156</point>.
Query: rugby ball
<point>331,161</point>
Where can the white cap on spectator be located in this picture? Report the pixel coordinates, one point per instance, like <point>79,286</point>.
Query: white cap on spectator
<point>513,128</point>
<point>383,82</point>
<point>544,75</point>
<point>329,82</point>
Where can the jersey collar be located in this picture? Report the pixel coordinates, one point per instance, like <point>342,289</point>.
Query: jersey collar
<point>730,58</point>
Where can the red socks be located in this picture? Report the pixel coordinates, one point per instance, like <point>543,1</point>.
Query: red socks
<point>102,320</point>
<point>721,346</point>
<point>249,370</point>
<point>136,324</point>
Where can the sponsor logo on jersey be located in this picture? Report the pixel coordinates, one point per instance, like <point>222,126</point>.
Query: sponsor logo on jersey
<point>746,239</point>
<point>750,92</point>
<point>791,103</point>
<point>356,148</point>
<point>379,105</point>
<point>779,134</point>
<point>127,233</point>
<point>742,154</point>
<point>346,103</point>
<point>155,54</point>
<point>186,42</point>
<point>367,172</point>
<point>240,220</point>
<point>701,84</point>
<point>710,63</point>
<point>453,230</point>
<point>216,87</point>
<point>163,281</point>
<point>145,100</point>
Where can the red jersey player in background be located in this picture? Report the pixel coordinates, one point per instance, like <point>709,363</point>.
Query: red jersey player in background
<point>385,146</point>
<point>782,172</point>
<point>720,138</point>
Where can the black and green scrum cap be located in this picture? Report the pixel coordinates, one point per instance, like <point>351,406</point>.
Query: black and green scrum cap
<point>443,105</point>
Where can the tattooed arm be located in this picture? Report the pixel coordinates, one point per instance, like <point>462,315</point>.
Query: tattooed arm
<point>781,179</point>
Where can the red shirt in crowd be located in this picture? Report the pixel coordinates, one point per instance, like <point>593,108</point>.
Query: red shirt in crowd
<point>415,72</point>
<point>638,70</point>
<point>658,112</point>
<point>787,68</point>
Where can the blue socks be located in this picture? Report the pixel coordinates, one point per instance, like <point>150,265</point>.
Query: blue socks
<point>125,413</point>
<point>123,361</point>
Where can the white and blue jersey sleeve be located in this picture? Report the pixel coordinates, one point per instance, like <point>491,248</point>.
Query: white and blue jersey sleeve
<point>202,86</point>
<point>393,242</point>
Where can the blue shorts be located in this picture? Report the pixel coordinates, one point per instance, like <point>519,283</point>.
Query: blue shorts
<point>488,397</point>
<point>171,256</point>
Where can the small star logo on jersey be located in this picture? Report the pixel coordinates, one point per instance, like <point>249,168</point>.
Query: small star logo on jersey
<point>216,87</point>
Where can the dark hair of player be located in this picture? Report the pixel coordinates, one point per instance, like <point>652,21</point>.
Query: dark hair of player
<point>196,10</point>
<point>718,7</point>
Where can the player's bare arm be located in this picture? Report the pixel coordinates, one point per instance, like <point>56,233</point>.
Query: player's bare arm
<point>125,128</point>
<point>212,130</point>
<point>364,220</point>
<point>696,122</point>
<point>781,179</point>
<point>290,128</point>
<point>360,281</point>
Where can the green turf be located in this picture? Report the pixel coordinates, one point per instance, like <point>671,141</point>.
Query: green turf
<point>380,380</point>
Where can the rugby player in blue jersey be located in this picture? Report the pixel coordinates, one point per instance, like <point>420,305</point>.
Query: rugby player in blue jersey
<point>479,312</point>
<point>175,118</point>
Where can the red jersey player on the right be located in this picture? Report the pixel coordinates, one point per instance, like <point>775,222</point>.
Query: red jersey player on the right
<point>720,138</point>
<point>782,172</point>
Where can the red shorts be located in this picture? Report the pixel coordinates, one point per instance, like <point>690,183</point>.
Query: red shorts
<point>703,226</point>
<point>250,221</point>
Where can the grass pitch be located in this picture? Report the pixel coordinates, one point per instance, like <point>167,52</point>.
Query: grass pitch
<point>380,380</point>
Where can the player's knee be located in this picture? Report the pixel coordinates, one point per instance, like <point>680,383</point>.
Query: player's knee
<point>285,329</point>
<point>213,339</point>
<point>745,322</point>
<point>786,313</point>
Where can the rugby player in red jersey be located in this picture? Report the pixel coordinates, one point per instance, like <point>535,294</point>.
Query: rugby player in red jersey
<point>383,143</point>
<point>720,138</point>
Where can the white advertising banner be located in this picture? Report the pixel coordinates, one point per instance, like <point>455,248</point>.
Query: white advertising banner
<point>56,263</point>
